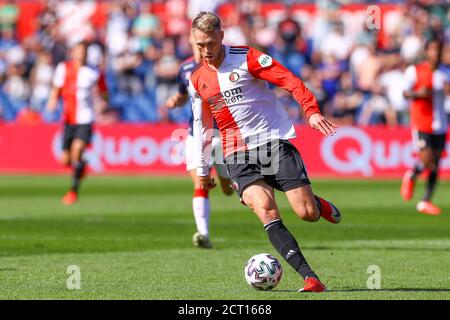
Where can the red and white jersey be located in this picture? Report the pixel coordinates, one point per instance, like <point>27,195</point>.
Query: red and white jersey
<point>427,114</point>
<point>76,85</point>
<point>238,97</point>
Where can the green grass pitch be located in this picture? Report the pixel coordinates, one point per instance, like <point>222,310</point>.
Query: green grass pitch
<point>131,239</point>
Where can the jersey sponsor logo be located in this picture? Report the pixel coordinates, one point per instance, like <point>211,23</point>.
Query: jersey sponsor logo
<point>265,60</point>
<point>234,77</point>
<point>225,98</point>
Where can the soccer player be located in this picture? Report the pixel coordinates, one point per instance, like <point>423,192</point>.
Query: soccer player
<point>200,201</point>
<point>230,85</point>
<point>425,86</point>
<point>76,83</point>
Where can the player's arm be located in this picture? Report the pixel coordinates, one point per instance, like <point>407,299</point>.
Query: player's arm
<point>202,133</point>
<point>447,87</point>
<point>52,101</point>
<point>263,67</point>
<point>410,79</point>
<point>182,96</point>
<point>178,99</point>
<point>58,82</point>
<point>421,93</point>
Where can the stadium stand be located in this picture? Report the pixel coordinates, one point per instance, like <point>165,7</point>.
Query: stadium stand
<point>352,65</point>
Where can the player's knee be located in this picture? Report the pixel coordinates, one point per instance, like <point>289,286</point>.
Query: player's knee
<point>430,165</point>
<point>76,156</point>
<point>308,212</point>
<point>265,209</point>
<point>197,185</point>
<point>65,160</point>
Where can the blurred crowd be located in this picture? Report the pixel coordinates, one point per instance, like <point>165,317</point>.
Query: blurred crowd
<point>353,64</point>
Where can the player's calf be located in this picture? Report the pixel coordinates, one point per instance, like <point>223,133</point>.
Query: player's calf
<point>303,203</point>
<point>307,211</point>
<point>286,245</point>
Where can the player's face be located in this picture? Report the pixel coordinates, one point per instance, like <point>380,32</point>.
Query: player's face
<point>209,45</point>
<point>433,52</point>
<point>79,53</point>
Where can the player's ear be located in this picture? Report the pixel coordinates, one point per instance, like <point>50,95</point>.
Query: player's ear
<point>222,35</point>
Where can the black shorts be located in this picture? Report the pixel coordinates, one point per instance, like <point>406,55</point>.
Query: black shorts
<point>423,140</point>
<point>279,163</point>
<point>76,131</point>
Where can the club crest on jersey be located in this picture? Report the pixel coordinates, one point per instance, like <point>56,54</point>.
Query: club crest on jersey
<point>265,60</point>
<point>234,77</point>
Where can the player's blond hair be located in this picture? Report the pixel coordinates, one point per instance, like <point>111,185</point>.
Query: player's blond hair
<point>206,22</point>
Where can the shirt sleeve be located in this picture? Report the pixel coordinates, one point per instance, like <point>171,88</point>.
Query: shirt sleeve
<point>264,67</point>
<point>410,78</point>
<point>59,76</point>
<point>202,131</point>
<point>182,85</point>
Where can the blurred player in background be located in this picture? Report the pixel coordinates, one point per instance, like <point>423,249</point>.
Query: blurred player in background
<point>77,83</point>
<point>426,87</point>
<point>230,85</point>
<point>200,202</point>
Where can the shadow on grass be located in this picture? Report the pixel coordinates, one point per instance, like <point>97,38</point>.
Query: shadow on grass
<point>8,269</point>
<point>375,248</point>
<point>373,290</point>
<point>393,290</point>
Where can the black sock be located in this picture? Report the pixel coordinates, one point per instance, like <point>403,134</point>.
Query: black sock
<point>78,169</point>
<point>283,241</point>
<point>418,169</point>
<point>431,184</point>
<point>319,205</point>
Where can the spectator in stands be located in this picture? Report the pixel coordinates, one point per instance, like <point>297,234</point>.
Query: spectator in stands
<point>75,20</point>
<point>262,35</point>
<point>125,66</point>
<point>377,110</point>
<point>9,14</point>
<point>234,35</point>
<point>289,47</point>
<point>313,81</point>
<point>367,69</point>
<point>145,26</point>
<point>7,39</point>
<point>347,102</point>
<point>166,70</point>
<point>41,81</point>
<point>330,69</point>
<point>142,42</point>
<point>336,43</point>
<point>16,86</point>
<point>391,82</point>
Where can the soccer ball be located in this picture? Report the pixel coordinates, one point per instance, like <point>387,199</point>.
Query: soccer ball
<point>263,271</point>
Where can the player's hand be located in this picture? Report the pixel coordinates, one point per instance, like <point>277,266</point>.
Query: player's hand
<point>417,94</point>
<point>51,105</point>
<point>206,182</point>
<point>319,122</point>
<point>423,93</point>
<point>408,94</point>
<point>171,102</point>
